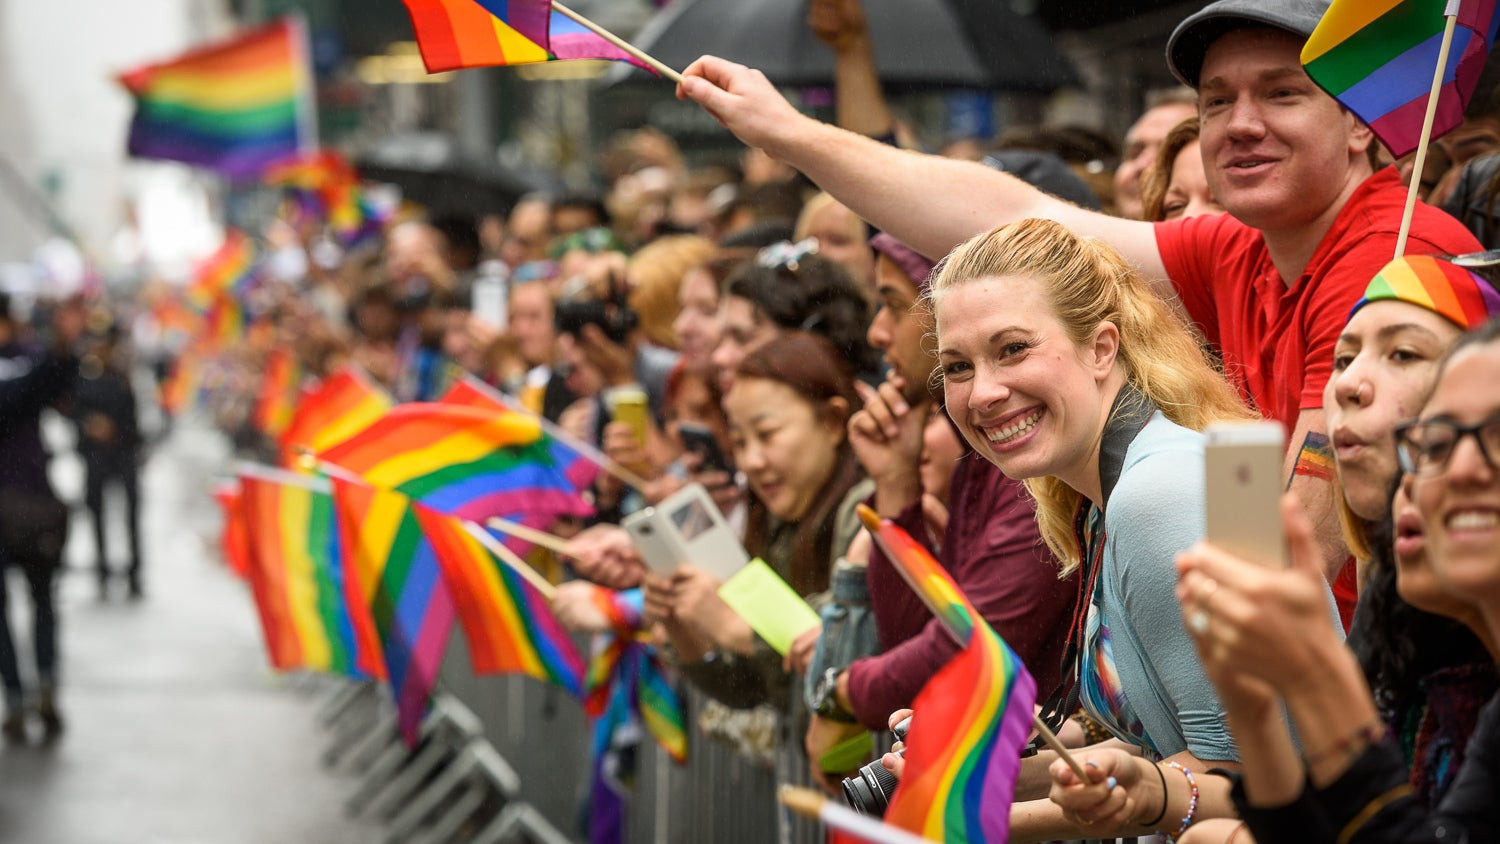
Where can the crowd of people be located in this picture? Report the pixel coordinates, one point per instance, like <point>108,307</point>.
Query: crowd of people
<point>1015,362</point>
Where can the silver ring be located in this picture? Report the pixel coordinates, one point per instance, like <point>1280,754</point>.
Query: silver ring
<point>1198,621</point>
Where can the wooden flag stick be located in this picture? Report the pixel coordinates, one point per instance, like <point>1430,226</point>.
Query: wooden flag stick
<point>509,557</point>
<point>1426,137</point>
<point>1050,739</point>
<point>617,41</point>
<point>530,534</point>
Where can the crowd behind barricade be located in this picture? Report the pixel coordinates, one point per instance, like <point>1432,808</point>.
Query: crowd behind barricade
<point>1015,362</point>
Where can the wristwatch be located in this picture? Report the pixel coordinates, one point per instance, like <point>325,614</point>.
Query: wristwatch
<point>826,698</point>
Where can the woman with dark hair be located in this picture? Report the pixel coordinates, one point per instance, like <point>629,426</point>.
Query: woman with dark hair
<point>788,414</point>
<point>788,287</point>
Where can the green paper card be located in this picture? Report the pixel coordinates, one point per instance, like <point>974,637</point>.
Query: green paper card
<point>771,607</point>
<point>848,754</point>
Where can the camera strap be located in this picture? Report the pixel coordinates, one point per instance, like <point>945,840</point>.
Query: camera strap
<point>1127,417</point>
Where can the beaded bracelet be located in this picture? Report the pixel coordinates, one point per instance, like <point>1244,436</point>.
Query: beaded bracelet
<point>1187,819</point>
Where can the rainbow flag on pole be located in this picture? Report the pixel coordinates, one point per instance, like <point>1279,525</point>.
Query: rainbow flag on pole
<point>230,271</point>
<point>296,570</point>
<point>234,107</point>
<point>507,620</point>
<point>972,718</point>
<point>275,401</point>
<point>394,567</point>
<point>340,406</point>
<point>464,461</point>
<point>455,34</point>
<point>1378,57</point>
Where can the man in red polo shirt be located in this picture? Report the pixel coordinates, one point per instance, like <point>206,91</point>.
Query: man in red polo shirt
<point>1309,222</point>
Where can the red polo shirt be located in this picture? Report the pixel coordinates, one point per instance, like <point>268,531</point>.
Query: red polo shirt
<point>1277,339</point>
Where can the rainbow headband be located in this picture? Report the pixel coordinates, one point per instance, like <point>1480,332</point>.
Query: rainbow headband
<point>1448,290</point>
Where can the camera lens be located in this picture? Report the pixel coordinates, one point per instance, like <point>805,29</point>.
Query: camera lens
<point>869,791</point>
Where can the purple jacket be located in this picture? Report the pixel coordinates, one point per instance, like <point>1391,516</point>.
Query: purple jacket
<point>998,559</point>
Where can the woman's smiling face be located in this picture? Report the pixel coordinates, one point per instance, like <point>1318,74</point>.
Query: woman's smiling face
<point>1460,505</point>
<point>1022,393</point>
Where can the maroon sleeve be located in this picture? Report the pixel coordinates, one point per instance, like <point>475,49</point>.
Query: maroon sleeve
<point>997,558</point>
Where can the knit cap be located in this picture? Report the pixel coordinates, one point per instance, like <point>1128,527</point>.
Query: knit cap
<point>1448,290</point>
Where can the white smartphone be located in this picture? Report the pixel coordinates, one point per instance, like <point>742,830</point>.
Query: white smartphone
<point>1242,466</point>
<point>686,527</point>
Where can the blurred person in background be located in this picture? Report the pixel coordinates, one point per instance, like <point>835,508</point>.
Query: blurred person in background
<point>33,521</point>
<point>109,441</point>
<point>1164,109</point>
<point>528,230</point>
<point>1175,185</point>
<point>842,238</point>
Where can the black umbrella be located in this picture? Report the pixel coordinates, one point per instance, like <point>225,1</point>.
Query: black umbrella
<point>918,43</point>
<point>431,171</point>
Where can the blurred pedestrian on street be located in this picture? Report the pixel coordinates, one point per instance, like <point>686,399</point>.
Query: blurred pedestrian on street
<point>33,521</point>
<point>109,441</point>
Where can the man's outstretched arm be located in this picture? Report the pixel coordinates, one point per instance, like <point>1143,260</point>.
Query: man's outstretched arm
<point>926,201</point>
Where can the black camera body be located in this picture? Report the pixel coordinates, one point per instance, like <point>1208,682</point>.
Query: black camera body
<point>614,315</point>
<point>869,790</point>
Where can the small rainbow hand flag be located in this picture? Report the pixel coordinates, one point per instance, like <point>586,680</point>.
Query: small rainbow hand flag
<point>969,723</point>
<point>1378,57</point>
<point>465,461</point>
<point>454,34</point>
<point>234,107</point>
<point>275,401</point>
<point>328,188</point>
<point>393,567</point>
<point>340,406</point>
<point>296,570</point>
<point>507,620</point>
<point>230,271</point>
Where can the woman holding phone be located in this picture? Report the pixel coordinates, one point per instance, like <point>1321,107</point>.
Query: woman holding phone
<point>788,412</point>
<point>1061,366</point>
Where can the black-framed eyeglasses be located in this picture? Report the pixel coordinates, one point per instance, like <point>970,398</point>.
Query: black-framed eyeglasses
<point>1424,447</point>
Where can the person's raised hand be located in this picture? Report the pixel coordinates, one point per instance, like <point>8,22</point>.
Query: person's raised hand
<point>1262,622</point>
<point>800,655</point>
<point>742,99</point>
<point>837,23</point>
<point>604,554</point>
<point>886,434</point>
<point>658,597</point>
<point>574,606</point>
<point>1111,796</point>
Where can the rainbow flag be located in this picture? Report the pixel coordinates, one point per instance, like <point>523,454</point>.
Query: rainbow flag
<point>226,323</point>
<point>340,406</point>
<point>454,34</point>
<point>275,402</point>
<point>972,718</point>
<point>234,107</point>
<point>394,567</point>
<point>296,570</point>
<point>230,271</point>
<point>508,622</point>
<point>234,539</point>
<point>579,461</point>
<point>464,461</point>
<point>327,187</point>
<point>1378,57</point>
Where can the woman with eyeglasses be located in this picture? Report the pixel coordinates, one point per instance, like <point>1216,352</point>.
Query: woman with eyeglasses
<point>1263,646</point>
